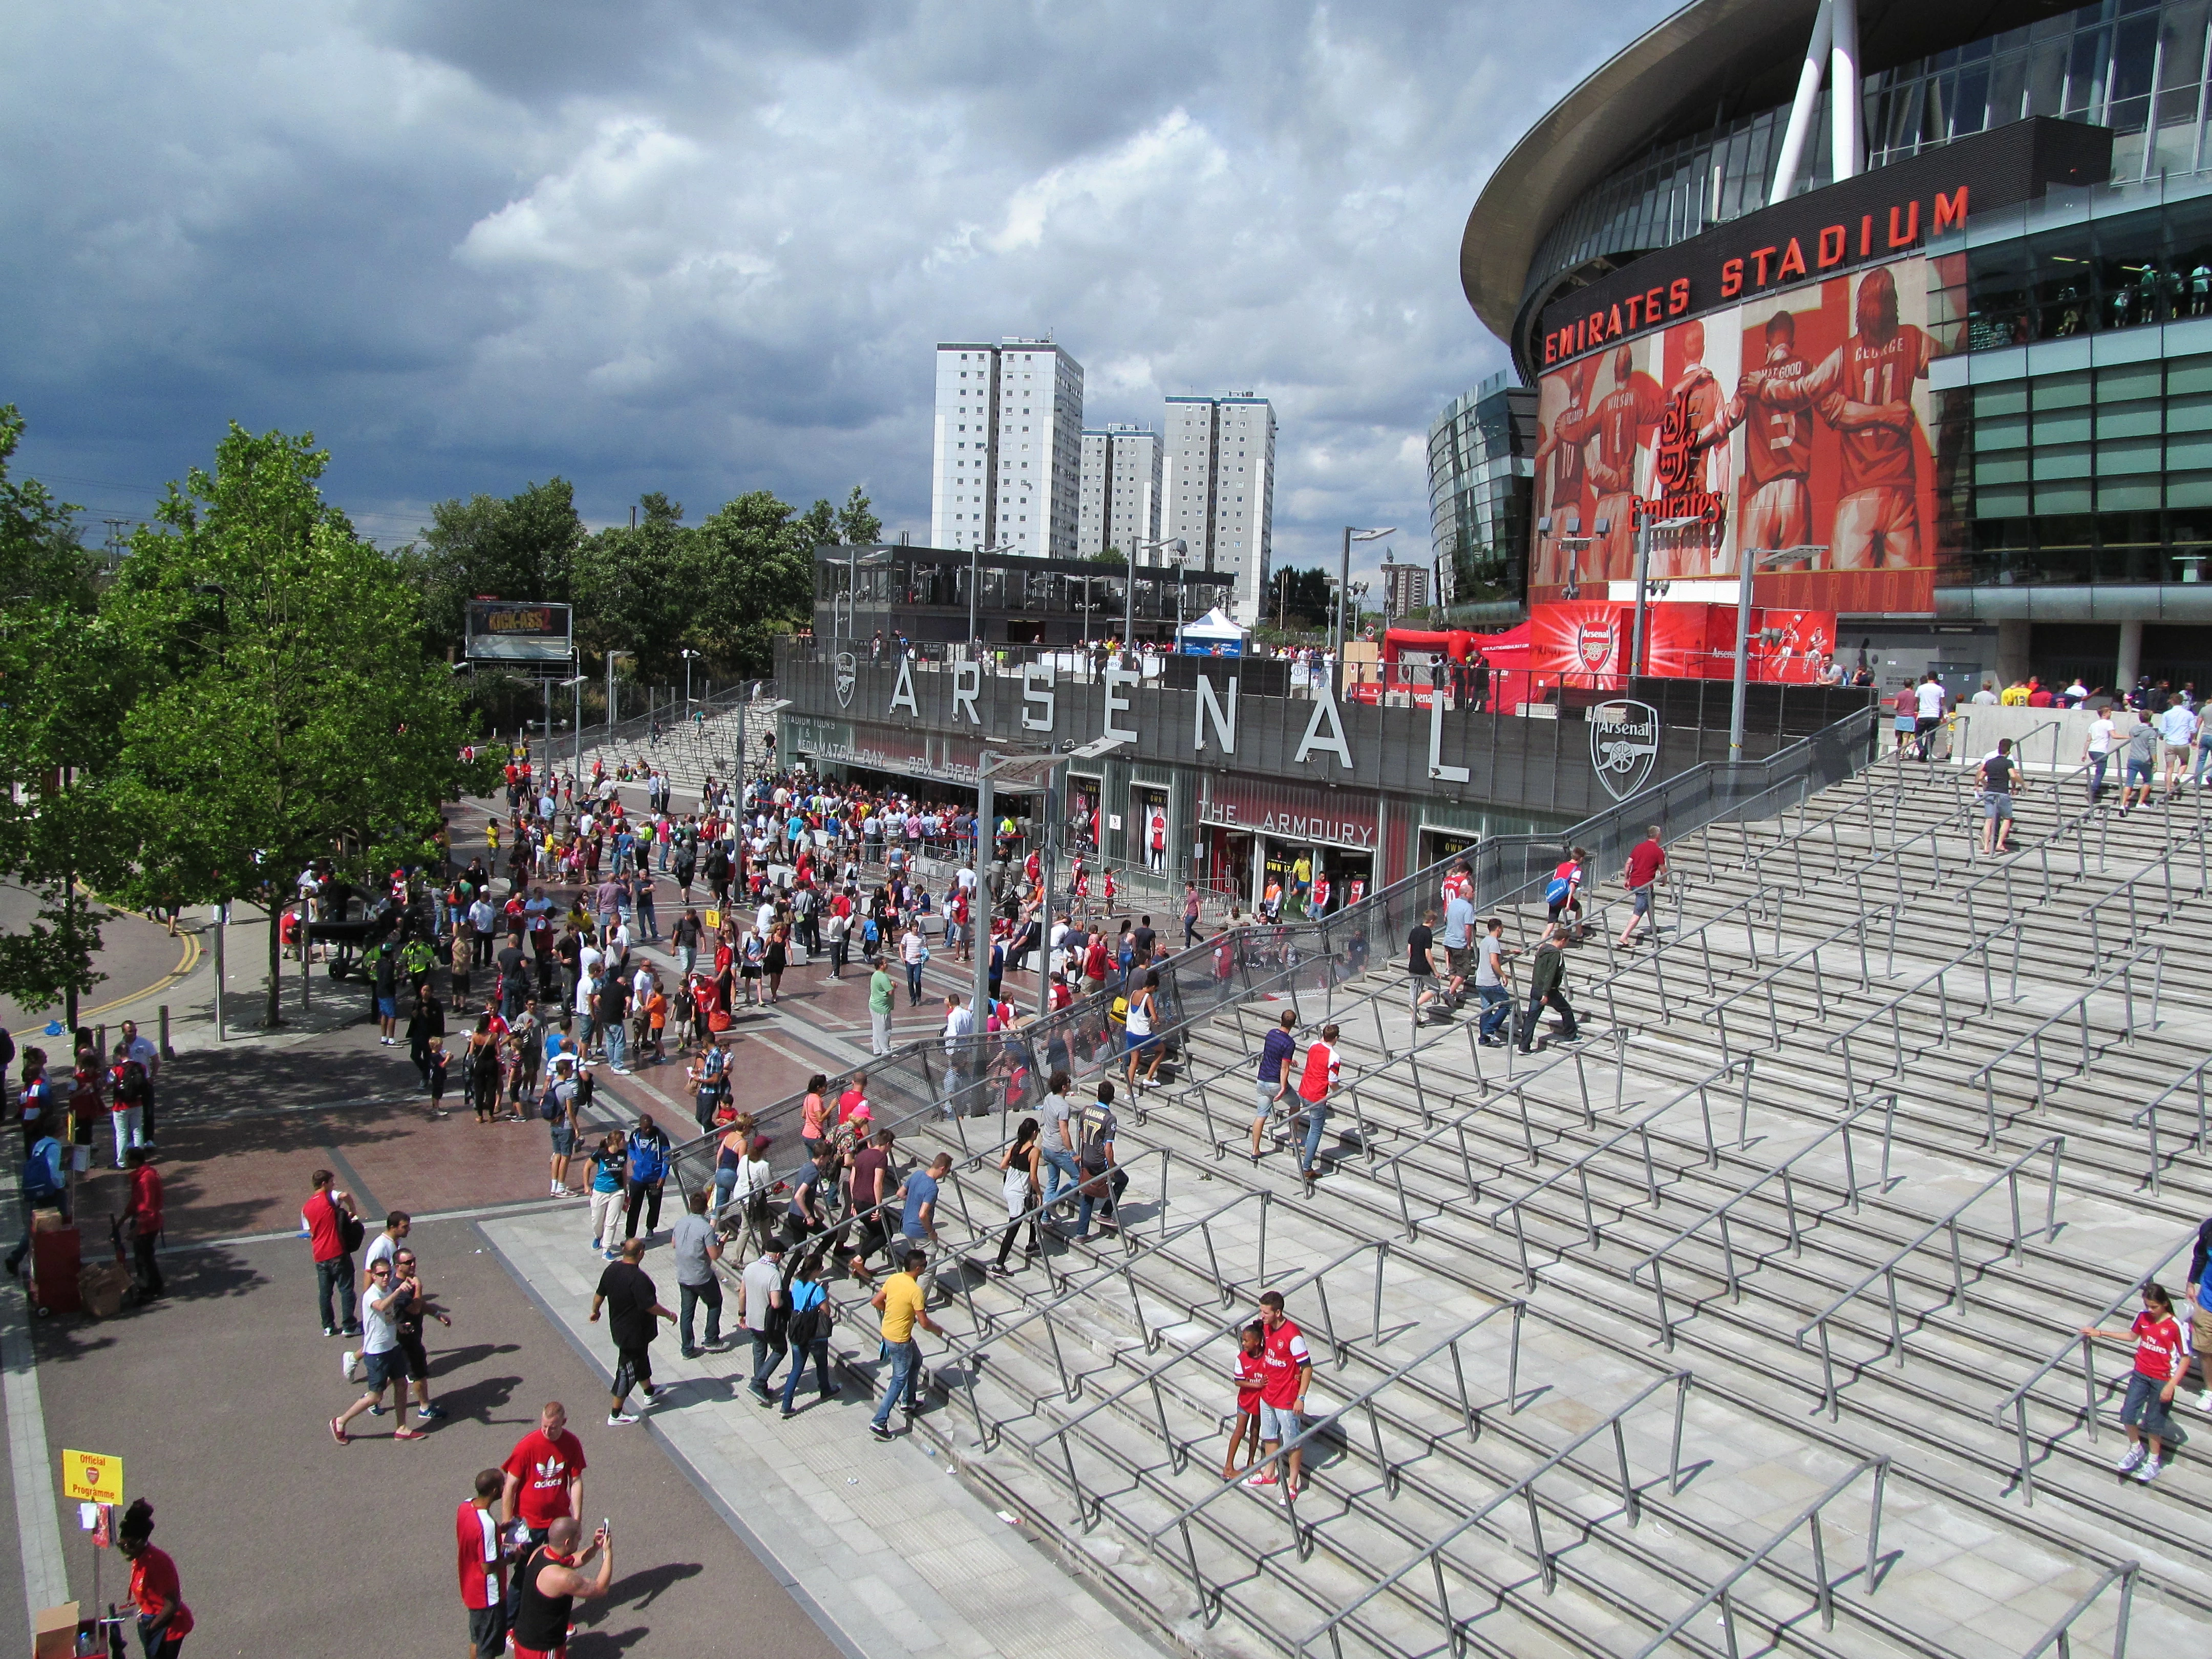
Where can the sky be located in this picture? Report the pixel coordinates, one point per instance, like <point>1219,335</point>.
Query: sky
<point>705,248</point>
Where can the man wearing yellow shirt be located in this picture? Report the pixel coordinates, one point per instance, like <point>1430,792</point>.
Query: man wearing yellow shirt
<point>900,1302</point>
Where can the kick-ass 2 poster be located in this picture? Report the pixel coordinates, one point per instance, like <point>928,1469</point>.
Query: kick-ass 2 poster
<point>1797,422</point>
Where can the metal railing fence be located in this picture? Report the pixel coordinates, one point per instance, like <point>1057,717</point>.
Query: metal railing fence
<point>2007,1177</point>
<point>1654,1259</point>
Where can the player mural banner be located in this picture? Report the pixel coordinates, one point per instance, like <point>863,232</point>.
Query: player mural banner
<point>1794,428</point>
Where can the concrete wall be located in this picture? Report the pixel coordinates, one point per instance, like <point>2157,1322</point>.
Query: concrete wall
<point>2044,737</point>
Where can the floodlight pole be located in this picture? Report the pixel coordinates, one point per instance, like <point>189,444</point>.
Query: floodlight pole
<point>1746,557</point>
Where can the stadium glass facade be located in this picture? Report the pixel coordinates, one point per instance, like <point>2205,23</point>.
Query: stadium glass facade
<point>1480,478</point>
<point>2069,407</point>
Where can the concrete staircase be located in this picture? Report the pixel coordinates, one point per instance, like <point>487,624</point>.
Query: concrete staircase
<point>690,752</point>
<point>1833,1175</point>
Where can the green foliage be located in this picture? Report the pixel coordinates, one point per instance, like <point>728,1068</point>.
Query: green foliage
<point>635,589</point>
<point>857,524</point>
<point>518,547</point>
<point>58,711</point>
<point>1301,599</point>
<point>285,709</point>
<point>725,587</point>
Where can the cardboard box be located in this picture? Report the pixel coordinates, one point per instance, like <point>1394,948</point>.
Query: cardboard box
<point>101,1287</point>
<point>54,1631</point>
<point>46,1221</point>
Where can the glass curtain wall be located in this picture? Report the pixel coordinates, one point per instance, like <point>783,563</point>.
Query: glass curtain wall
<point>2136,66</point>
<point>1481,478</point>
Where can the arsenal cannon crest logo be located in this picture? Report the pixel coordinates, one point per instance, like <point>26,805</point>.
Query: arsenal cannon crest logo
<point>847,675</point>
<point>1624,745</point>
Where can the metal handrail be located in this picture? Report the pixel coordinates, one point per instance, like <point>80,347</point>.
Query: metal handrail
<point>1181,1518</point>
<point>2062,1632</point>
<point>2078,1005</point>
<point>1524,1488</point>
<point>1768,979</point>
<point>2150,1112</point>
<point>2017,1400</point>
<point>2055,1144</point>
<point>1641,1126</point>
<point>2162,863</point>
<point>1824,1592</point>
<point>1652,1259</point>
<point>1894,1010</point>
<point>1313,1276</point>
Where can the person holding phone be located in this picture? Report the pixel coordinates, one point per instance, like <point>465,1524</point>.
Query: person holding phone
<point>549,1586</point>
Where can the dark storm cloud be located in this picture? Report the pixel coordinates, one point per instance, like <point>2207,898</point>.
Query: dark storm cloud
<point>707,247</point>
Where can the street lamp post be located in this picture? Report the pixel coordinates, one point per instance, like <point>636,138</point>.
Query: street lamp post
<point>611,655</point>
<point>690,657</point>
<point>975,583</point>
<point>1178,546</point>
<point>576,732</point>
<point>1344,580</point>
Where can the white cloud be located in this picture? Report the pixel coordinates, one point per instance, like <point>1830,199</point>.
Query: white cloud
<point>706,246</point>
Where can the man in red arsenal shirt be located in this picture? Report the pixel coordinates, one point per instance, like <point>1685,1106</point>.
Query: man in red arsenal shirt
<point>1863,388</point>
<point>482,1563</point>
<point>1622,422</point>
<point>544,1475</point>
<point>1777,462</point>
<point>1561,449</point>
<point>1285,1369</point>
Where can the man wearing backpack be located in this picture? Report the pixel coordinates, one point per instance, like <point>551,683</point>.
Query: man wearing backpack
<point>558,1108</point>
<point>648,1172</point>
<point>334,1233</point>
<point>1104,1180</point>
<point>46,1189</point>
<point>1317,1081</point>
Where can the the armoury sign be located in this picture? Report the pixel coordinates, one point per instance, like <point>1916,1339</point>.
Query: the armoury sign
<point>1624,740</point>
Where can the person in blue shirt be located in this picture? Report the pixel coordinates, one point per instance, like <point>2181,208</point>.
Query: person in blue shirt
<point>1272,1081</point>
<point>918,1216</point>
<point>44,1189</point>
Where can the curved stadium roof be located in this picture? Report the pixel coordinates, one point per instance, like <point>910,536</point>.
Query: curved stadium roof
<point>1709,62</point>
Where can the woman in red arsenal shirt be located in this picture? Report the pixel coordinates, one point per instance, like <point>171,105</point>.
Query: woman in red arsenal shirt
<point>2161,1359</point>
<point>164,1621</point>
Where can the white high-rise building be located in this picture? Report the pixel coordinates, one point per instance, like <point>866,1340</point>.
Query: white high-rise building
<point>1119,505</point>
<point>1008,458</point>
<point>1219,491</point>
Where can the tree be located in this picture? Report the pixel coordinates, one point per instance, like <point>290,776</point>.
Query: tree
<point>857,524</point>
<point>518,547</point>
<point>636,589</point>
<point>59,706</point>
<point>285,708</point>
<point>754,574</point>
<point>1304,599</point>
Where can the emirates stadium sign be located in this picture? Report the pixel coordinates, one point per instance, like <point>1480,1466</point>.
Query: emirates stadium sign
<point>1887,214</point>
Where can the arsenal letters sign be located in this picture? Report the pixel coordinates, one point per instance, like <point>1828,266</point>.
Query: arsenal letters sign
<point>1878,216</point>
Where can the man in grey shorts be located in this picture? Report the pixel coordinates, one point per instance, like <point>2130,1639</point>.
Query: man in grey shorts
<point>1268,1086</point>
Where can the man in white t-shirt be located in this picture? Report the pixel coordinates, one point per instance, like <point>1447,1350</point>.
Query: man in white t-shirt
<point>2097,752</point>
<point>1928,699</point>
<point>1490,982</point>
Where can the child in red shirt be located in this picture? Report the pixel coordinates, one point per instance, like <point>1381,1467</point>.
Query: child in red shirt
<point>1248,1370</point>
<point>2162,1357</point>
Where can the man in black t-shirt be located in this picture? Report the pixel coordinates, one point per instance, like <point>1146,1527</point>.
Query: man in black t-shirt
<point>613,1012</point>
<point>1997,780</point>
<point>632,1305</point>
<point>1421,965</point>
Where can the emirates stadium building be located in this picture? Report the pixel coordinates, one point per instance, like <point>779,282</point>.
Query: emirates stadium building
<point>1909,305</point>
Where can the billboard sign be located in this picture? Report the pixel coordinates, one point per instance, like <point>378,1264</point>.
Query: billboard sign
<point>1792,428</point>
<point>503,630</point>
